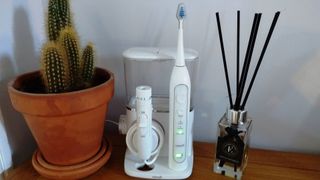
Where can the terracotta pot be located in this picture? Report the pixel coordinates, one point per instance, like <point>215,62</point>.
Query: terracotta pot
<point>68,127</point>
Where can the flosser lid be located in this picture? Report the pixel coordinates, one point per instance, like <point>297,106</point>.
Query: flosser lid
<point>156,54</point>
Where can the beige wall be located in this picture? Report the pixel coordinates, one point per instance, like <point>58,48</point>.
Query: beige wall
<point>285,99</point>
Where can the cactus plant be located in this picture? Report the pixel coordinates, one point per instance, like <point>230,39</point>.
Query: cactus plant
<point>68,127</point>
<point>53,68</point>
<point>63,52</point>
<point>59,17</point>
<point>88,64</point>
<point>69,41</point>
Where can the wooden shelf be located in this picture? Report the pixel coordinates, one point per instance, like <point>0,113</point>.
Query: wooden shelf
<point>263,164</point>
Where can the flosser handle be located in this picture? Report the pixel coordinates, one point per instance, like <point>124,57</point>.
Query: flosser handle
<point>143,137</point>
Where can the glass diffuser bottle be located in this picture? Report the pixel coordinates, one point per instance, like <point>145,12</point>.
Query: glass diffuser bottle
<point>233,142</point>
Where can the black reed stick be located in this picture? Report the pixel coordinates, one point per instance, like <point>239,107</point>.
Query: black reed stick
<point>242,85</point>
<point>274,22</point>
<point>224,60</point>
<point>238,49</point>
<point>247,60</point>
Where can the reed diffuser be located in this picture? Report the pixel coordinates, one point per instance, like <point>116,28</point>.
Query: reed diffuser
<point>234,127</point>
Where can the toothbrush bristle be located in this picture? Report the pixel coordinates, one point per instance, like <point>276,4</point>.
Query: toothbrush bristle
<point>181,14</point>
<point>181,11</point>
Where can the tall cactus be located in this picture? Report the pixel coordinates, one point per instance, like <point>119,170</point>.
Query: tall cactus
<point>53,68</point>
<point>59,17</point>
<point>62,68</point>
<point>69,41</point>
<point>88,63</point>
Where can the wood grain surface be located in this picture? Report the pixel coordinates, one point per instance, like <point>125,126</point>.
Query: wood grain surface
<point>263,164</point>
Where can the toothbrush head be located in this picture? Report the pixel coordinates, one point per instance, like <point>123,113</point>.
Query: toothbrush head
<point>181,12</point>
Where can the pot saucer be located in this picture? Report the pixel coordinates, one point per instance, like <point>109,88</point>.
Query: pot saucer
<point>76,171</point>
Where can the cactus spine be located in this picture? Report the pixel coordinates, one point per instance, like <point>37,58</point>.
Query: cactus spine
<point>62,68</point>
<point>69,41</point>
<point>59,17</point>
<point>53,68</point>
<point>88,63</point>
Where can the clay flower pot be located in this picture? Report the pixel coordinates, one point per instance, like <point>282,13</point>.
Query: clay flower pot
<point>68,127</point>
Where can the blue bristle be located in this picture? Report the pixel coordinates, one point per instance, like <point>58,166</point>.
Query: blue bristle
<point>181,13</point>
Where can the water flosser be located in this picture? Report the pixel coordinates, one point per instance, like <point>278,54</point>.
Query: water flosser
<point>180,89</point>
<point>143,137</point>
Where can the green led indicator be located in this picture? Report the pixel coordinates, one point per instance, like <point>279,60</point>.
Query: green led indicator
<point>179,155</point>
<point>179,131</point>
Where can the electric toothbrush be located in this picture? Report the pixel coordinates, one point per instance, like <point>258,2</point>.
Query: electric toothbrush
<point>180,88</point>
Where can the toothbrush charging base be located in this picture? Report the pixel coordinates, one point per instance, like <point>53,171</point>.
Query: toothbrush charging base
<point>159,170</point>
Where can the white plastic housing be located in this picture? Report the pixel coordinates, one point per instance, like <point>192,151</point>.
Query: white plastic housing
<point>180,60</point>
<point>179,104</point>
<point>160,169</point>
<point>152,66</point>
<point>143,136</point>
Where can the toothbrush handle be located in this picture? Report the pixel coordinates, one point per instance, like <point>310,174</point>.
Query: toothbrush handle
<point>179,133</point>
<point>180,117</point>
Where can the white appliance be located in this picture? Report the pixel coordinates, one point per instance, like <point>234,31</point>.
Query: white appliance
<point>179,104</point>
<point>152,68</point>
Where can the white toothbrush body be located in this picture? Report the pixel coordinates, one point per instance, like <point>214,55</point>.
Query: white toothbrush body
<point>180,88</point>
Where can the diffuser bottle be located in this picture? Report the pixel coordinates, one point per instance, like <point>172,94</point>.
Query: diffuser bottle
<point>234,127</point>
<point>233,142</point>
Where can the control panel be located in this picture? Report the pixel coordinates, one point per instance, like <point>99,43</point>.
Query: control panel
<point>180,122</point>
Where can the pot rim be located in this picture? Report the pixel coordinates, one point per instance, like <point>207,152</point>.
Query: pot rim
<point>14,90</point>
